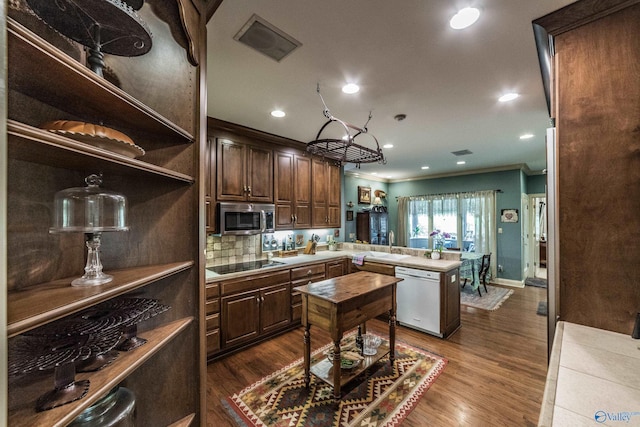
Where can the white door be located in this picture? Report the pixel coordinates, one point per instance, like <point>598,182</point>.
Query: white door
<point>526,232</point>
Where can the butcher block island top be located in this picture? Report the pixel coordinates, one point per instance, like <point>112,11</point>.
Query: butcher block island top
<point>338,305</point>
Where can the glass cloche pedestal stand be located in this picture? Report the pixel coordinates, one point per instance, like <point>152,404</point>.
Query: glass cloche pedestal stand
<point>90,210</point>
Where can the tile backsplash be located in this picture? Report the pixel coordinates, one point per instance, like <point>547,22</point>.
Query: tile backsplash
<point>232,249</point>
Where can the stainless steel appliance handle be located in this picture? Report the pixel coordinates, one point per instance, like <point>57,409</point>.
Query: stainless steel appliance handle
<point>263,221</point>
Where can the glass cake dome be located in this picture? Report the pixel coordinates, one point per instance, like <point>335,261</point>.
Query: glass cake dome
<point>90,210</point>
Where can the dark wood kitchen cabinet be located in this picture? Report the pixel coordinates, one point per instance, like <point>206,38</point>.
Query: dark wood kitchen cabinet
<point>254,306</point>
<point>244,172</point>
<point>209,185</point>
<point>336,268</point>
<point>292,190</point>
<point>325,195</point>
<point>154,99</point>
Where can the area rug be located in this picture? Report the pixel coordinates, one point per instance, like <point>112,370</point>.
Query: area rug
<point>535,281</point>
<point>381,396</point>
<point>542,308</point>
<point>491,299</point>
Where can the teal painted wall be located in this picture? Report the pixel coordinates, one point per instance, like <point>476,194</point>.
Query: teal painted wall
<point>350,194</point>
<point>512,183</point>
<point>536,184</point>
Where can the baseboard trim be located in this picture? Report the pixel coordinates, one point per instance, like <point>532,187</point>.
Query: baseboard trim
<point>508,282</point>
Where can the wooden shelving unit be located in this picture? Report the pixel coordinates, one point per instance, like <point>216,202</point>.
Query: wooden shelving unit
<point>45,302</point>
<point>66,82</point>
<point>22,412</point>
<point>156,99</point>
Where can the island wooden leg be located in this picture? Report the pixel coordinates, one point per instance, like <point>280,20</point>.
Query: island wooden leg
<point>336,370</point>
<point>307,355</point>
<point>392,336</point>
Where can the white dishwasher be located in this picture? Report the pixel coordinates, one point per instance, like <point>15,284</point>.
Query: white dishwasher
<point>418,300</point>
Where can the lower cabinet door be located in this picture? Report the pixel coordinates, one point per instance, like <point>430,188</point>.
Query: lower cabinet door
<point>240,318</point>
<point>275,310</point>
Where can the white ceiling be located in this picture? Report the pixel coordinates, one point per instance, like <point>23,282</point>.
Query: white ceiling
<point>406,59</point>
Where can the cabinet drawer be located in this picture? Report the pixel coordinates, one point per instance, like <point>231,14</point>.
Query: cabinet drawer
<point>213,290</point>
<point>307,271</point>
<point>296,312</point>
<point>212,306</point>
<point>213,322</point>
<point>254,282</point>
<point>296,298</point>
<point>213,341</point>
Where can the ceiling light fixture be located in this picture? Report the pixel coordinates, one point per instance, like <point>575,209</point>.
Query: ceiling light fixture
<point>508,97</point>
<point>526,136</point>
<point>278,113</point>
<point>424,167</point>
<point>464,18</point>
<point>387,146</point>
<point>351,88</point>
<point>461,162</point>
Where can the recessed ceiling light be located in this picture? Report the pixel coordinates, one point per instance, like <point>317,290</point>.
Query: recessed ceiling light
<point>424,167</point>
<point>464,18</point>
<point>374,173</point>
<point>387,146</point>
<point>526,136</point>
<point>278,113</point>
<point>350,88</point>
<point>508,97</point>
<point>461,162</point>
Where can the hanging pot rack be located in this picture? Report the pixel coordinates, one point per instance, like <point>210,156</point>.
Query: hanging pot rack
<point>345,150</point>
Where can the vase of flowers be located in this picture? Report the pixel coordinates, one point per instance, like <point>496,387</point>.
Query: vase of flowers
<point>438,242</point>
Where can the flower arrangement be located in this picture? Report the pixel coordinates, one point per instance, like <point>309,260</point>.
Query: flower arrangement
<point>439,238</point>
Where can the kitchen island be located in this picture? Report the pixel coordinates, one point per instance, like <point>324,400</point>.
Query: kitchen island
<point>339,304</point>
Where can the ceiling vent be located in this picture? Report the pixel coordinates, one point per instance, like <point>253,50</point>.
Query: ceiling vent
<point>266,38</point>
<point>461,152</point>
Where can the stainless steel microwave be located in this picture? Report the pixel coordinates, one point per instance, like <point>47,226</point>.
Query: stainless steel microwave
<point>246,218</point>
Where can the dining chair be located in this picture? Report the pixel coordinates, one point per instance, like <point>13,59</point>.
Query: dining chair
<point>482,274</point>
<point>484,270</point>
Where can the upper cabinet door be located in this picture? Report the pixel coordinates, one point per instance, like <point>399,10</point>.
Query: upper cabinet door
<point>319,194</point>
<point>259,174</point>
<point>244,172</point>
<point>302,191</point>
<point>230,171</point>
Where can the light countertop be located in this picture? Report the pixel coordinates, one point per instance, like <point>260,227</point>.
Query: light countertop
<point>419,262</point>
<point>593,379</point>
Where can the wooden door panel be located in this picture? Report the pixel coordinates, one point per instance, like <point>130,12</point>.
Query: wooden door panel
<point>230,172</point>
<point>275,307</point>
<point>240,318</point>
<point>259,175</point>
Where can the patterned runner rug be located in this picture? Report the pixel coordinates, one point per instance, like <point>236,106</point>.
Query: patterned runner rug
<point>490,300</point>
<point>381,396</point>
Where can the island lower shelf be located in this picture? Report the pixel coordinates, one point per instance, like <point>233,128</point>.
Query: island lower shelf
<point>323,368</point>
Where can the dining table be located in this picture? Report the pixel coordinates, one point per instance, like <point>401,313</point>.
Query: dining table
<point>470,268</point>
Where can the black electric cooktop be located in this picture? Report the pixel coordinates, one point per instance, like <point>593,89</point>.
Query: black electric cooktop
<point>244,266</point>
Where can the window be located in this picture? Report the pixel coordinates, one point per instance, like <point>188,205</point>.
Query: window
<point>469,218</point>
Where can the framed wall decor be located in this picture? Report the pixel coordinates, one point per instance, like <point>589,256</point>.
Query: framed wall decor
<point>364,195</point>
<point>349,215</point>
<point>509,215</point>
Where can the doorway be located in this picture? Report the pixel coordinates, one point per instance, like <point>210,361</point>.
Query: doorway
<point>538,236</point>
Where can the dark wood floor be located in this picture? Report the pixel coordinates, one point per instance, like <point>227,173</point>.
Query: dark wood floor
<point>495,376</point>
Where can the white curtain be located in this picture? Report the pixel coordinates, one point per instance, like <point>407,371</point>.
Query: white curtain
<point>478,206</point>
<point>403,228</point>
<point>482,204</point>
